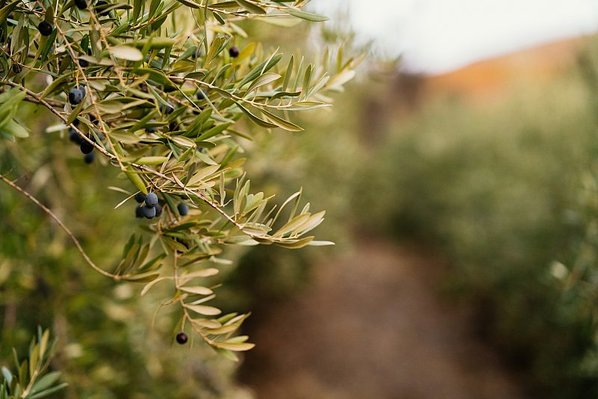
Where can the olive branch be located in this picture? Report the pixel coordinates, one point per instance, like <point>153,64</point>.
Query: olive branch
<point>168,92</point>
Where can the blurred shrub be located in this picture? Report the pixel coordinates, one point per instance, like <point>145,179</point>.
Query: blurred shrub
<point>498,188</point>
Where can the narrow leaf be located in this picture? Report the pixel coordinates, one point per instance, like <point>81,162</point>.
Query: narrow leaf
<point>126,53</point>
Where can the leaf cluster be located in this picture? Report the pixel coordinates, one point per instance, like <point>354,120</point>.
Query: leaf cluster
<point>168,103</point>
<point>32,379</point>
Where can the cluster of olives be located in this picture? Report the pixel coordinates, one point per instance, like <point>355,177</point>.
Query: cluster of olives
<point>75,96</point>
<point>149,206</point>
<point>85,146</point>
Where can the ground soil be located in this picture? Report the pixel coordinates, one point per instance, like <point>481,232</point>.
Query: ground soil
<point>373,325</point>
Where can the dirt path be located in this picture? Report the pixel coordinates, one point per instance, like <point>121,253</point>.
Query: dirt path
<point>371,326</point>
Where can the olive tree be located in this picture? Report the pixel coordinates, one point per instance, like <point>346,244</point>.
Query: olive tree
<point>167,93</point>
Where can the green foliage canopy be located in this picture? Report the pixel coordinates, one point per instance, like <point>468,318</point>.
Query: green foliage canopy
<point>166,92</point>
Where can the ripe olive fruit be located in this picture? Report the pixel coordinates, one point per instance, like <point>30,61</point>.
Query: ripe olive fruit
<point>139,211</point>
<point>86,147</point>
<point>183,209</point>
<point>151,200</point>
<point>149,212</point>
<point>88,158</point>
<point>234,52</point>
<point>45,28</point>
<point>76,95</point>
<point>81,4</point>
<point>139,197</point>
<point>182,338</point>
<point>74,136</point>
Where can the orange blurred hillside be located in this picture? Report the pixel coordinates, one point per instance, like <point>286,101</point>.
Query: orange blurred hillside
<point>490,79</point>
<point>479,83</point>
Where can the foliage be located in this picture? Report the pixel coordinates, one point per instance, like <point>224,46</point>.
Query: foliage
<point>498,189</point>
<point>162,108</point>
<point>170,94</point>
<point>31,379</point>
<point>327,159</point>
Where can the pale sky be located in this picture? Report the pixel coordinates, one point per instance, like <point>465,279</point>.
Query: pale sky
<point>440,35</point>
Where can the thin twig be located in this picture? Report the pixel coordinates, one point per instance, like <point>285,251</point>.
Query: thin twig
<point>62,226</point>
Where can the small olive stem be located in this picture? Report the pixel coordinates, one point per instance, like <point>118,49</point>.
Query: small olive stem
<point>187,317</point>
<point>32,380</point>
<point>177,286</point>
<point>62,226</point>
<point>103,38</point>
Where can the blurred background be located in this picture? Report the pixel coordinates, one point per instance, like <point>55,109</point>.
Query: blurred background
<point>459,174</point>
